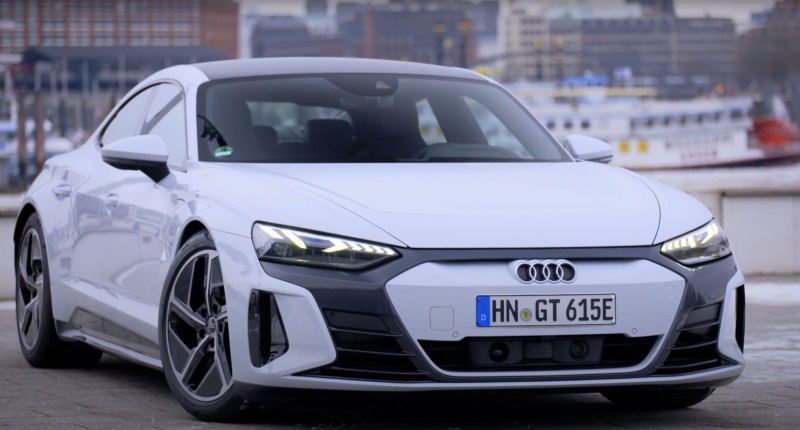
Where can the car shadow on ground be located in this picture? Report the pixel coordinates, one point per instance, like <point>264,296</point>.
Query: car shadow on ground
<point>450,410</point>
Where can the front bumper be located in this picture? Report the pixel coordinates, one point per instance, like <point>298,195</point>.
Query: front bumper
<point>410,324</point>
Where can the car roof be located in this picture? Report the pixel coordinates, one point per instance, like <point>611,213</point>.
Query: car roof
<point>309,65</point>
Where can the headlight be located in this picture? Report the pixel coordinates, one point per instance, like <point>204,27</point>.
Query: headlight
<point>296,246</point>
<point>704,244</point>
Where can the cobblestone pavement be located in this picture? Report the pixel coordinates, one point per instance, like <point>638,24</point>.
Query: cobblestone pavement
<point>119,395</point>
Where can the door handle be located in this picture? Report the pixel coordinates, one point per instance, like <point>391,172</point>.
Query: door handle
<point>111,200</point>
<point>62,190</point>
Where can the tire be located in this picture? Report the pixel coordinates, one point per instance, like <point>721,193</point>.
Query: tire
<point>193,334</point>
<point>36,327</point>
<point>675,399</point>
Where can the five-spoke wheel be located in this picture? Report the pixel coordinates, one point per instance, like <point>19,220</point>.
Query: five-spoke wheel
<point>36,328</point>
<point>30,282</point>
<point>195,340</point>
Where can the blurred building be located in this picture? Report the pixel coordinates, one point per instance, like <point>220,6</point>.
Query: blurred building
<point>53,23</point>
<point>317,7</point>
<point>312,35</point>
<point>771,50</point>
<point>659,47</point>
<point>642,37</point>
<point>81,84</point>
<point>546,41</point>
<point>84,55</point>
<point>437,32</point>
<point>656,7</point>
<point>769,56</point>
<point>541,49</point>
<point>450,31</point>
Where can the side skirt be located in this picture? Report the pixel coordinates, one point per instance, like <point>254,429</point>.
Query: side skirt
<point>111,338</point>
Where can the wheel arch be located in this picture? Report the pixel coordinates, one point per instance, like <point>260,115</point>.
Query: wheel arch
<point>190,230</point>
<point>24,213</point>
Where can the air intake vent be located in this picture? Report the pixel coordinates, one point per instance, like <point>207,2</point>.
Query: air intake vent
<point>368,347</point>
<point>696,346</point>
<point>265,333</point>
<point>740,309</point>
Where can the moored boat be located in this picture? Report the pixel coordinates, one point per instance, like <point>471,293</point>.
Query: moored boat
<point>652,134</point>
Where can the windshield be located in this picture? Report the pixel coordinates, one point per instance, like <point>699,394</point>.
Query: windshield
<point>366,118</point>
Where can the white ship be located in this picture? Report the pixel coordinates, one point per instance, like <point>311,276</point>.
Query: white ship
<point>652,134</point>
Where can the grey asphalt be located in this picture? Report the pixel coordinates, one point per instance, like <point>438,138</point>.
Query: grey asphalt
<point>6,254</point>
<point>119,395</point>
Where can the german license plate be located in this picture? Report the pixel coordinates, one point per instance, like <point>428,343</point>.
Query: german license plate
<point>540,310</point>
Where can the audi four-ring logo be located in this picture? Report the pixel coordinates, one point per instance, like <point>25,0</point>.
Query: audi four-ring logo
<point>545,271</point>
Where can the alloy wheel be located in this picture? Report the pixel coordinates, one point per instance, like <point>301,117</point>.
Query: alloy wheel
<point>197,337</point>
<point>30,284</point>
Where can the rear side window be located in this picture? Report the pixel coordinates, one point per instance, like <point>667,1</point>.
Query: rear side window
<point>128,120</point>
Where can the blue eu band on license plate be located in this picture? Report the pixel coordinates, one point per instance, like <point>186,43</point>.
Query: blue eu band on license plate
<point>551,310</point>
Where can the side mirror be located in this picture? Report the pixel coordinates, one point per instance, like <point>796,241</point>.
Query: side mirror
<point>587,148</point>
<point>147,153</point>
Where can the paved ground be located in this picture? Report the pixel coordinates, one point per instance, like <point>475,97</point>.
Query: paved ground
<point>119,395</point>
<point>6,257</point>
<point>9,205</point>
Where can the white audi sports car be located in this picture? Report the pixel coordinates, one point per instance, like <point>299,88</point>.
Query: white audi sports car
<point>255,225</point>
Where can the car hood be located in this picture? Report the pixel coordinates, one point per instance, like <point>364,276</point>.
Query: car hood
<point>477,205</point>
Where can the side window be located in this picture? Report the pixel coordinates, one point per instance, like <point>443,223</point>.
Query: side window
<point>497,134</point>
<point>128,120</point>
<point>429,126</point>
<point>166,118</point>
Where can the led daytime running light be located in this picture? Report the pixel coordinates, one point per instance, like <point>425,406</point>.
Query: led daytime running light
<point>296,237</point>
<point>707,233</point>
<point>297,246</point>
<point>707,243</point>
